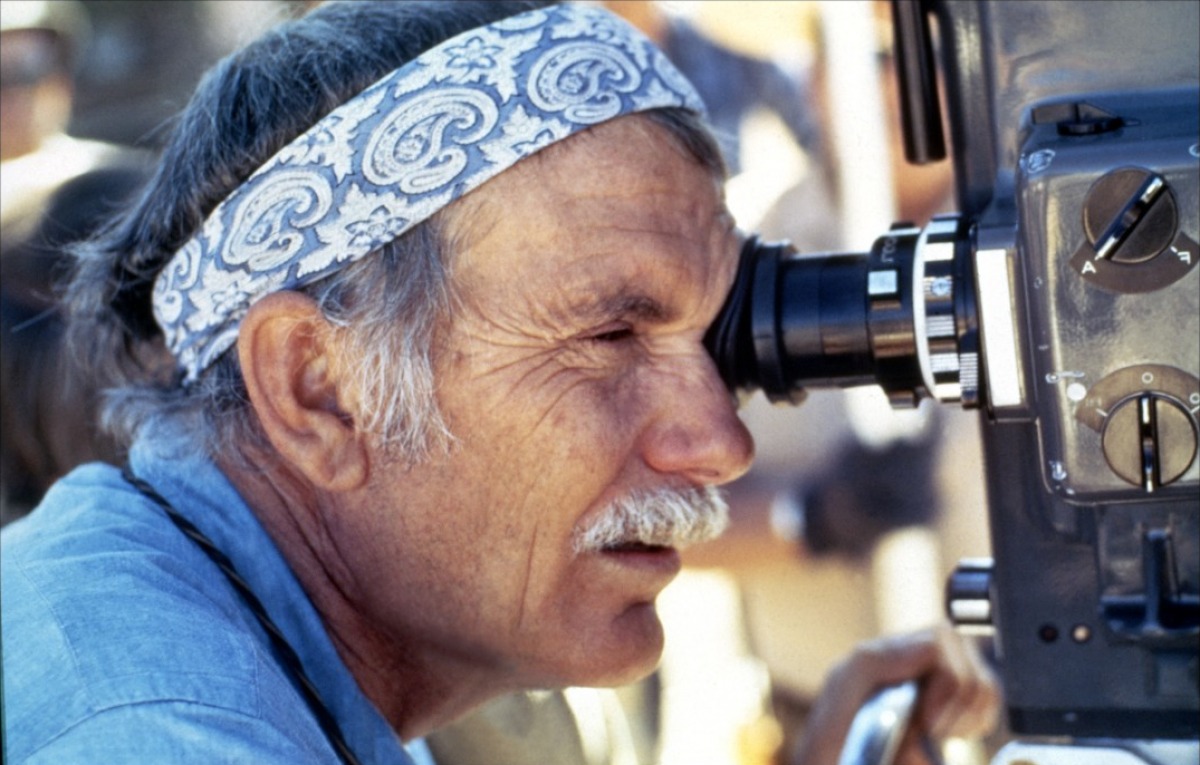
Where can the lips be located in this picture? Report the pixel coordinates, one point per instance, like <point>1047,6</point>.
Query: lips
<point>642,558</point>
<point>635,547</point>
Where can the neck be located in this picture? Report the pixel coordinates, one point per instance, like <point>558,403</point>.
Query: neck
<point>416,690</point>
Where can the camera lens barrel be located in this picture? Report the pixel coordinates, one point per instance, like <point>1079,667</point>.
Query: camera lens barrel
<point>901,316</point>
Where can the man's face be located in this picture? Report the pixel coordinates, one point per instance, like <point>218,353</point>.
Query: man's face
<point>572,374</point>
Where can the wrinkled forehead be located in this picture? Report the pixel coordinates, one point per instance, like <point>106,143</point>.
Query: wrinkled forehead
<point>578,174</point>
<point>618,212</point>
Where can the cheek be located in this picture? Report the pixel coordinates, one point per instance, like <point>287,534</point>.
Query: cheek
<point>534,456</point>
<point>589,444</point>
<point>568,463</point>
<point>596,418</point>
<point>570,426</point>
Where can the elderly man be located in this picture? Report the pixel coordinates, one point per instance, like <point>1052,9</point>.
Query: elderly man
<point>406,334</point>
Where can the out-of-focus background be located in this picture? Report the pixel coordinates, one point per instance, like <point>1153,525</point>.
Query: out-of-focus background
<point>853,516</point>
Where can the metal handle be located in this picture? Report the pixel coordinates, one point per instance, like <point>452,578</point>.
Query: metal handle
<point>878,728</point>
<point>920,110</point>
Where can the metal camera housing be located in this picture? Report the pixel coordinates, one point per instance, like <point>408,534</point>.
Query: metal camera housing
<point>1062,301</point>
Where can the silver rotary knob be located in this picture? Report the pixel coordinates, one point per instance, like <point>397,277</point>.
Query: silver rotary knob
<point>969,593</point>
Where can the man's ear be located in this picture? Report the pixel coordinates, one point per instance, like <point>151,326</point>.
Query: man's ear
<point>285,350</point>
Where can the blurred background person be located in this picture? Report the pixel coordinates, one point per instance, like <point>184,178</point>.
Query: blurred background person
<point>55,189</point>
<point>85,88</point>
<point>733,84</point>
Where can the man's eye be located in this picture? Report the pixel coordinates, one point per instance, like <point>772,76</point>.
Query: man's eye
<point>611,335</point>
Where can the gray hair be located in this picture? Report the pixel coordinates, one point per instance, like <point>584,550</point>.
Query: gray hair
<point>388,306</point>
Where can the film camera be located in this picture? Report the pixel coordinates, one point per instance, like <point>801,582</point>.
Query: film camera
<point>1063,302</point>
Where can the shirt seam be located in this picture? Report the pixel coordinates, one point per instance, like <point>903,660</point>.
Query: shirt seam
<point>58,627</point>
<point>94,713</point>
<point>258,652</point>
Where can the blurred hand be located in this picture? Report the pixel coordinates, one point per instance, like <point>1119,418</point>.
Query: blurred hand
<point>959,696</point>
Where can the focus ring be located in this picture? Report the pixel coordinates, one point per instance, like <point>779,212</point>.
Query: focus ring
<point>950,374</point>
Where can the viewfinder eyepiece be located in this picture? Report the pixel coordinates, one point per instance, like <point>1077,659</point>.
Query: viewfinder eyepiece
<point>901,316</point>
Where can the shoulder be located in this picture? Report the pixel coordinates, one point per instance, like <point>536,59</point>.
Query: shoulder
<point>107,607</point>
<point>174,732</point>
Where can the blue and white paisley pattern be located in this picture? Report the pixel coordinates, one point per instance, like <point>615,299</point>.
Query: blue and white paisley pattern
<point>521,136</point>
<point>389,158</point>
<point>269,224</point>
<point>325,143</point>
<point>179,275</point>
<point>368,220</point>
<point>583,80</point>
<point>420,147</point>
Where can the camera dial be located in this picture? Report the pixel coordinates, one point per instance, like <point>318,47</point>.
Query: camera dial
<point>1134,242</point>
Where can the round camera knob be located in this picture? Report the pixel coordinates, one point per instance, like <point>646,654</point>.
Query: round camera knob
<point>1130,215</point>
<point>1149,440</point>
<point>969,593</point>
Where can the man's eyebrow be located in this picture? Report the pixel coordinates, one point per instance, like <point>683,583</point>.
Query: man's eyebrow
<point>637,306</point>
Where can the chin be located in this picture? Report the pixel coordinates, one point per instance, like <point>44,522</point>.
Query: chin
<point>628,652</point>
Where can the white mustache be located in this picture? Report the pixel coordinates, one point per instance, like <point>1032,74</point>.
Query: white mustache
<point>664,518</point>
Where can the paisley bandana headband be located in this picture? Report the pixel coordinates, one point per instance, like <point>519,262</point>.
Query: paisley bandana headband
<point>398,152</point>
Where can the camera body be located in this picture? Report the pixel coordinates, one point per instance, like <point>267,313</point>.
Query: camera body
<point>1092,468</point>
<point>1063,301</point>
<point>1087,179</point>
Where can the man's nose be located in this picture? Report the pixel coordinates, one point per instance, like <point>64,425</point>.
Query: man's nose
<point>697,433</point>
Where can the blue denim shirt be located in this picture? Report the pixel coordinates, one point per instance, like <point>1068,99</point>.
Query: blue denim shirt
<point>124,643</point>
